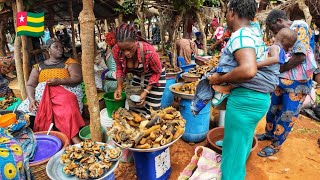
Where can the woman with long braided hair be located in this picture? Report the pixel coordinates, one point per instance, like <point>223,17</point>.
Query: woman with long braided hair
<point>134,55</point>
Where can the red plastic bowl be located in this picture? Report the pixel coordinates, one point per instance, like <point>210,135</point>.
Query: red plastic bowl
<point>216,134</point>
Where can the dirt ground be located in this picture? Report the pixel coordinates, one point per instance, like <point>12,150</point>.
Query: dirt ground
<point>298,159</point>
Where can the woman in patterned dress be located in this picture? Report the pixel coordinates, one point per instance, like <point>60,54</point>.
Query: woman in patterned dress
<point>295,83</point>
<point>54,92</point>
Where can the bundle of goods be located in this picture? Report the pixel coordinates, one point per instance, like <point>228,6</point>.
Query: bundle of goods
<point>90,160</point>
<point>130,130</point>
<point>8,101</point>
<point>187,88</point>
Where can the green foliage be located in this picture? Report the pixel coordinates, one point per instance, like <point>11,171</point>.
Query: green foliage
<point>127,7</point>
<point>212,3</point>
<point>186,5</point>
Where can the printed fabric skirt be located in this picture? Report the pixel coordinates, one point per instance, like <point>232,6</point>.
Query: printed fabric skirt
<point>153,99</point>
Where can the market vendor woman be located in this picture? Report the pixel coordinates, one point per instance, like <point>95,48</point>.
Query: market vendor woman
<point>139,58</point>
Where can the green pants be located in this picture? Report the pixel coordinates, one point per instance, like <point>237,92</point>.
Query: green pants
<point>245,108</point>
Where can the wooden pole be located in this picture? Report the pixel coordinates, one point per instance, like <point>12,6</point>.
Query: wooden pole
<point>17,57</point>
<point>74,51</point>
<point>3,41</point>
<point>106,28</point>
<point>204,37</point>
<point>25,53</point>
<point>176,25</point>
<point>51,21</point>
<point>87,22</point>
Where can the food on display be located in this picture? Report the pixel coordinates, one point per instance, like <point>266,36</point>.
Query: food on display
<point>90,160</point>
<point>187,88</point>
<point>131,130</point>
<point>172,70</point>
<point>214,61</point>
<point>8,101</point>
<point>199,70</point>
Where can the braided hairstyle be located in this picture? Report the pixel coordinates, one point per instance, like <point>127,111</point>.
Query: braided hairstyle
<point>125,32</point>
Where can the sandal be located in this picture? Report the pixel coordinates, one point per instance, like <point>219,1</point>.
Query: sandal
<point>264,137</point>
<point>218,98</point>
<point>269,151</point>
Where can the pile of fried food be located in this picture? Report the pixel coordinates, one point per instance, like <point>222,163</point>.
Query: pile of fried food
<point>187,88</point>
<point>90,160</point>
<point>172,70</point>
<point>214,61</point>
<point>130,130</point>
<point>199,71</point>
<point>8,101</point>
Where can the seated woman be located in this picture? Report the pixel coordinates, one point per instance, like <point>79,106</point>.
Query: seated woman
<point>55,84</point>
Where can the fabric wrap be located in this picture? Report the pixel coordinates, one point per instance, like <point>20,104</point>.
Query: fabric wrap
<point>60,106</point>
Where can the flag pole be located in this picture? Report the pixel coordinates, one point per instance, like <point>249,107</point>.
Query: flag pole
<point>17,57</point>
<point>24,40</point>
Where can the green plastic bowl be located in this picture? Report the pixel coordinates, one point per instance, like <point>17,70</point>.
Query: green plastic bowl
<point>85,133</point>
<point>13,105</point>
<point>113,105</point>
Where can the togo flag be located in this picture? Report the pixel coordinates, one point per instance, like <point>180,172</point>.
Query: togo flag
<point>30,24</point>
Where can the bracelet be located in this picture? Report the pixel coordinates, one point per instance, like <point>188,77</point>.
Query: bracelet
<point>146,91</point>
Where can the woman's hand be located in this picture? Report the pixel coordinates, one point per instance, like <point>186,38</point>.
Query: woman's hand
<point>117,94</point>
<point>215,79</point>
<point>53,82</point>
<point>143,96</point>
<point>33,105</point>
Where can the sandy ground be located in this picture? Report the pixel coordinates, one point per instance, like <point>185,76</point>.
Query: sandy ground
<point>298,159</point>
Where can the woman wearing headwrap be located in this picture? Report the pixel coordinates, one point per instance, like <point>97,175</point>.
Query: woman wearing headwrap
<point>55,94</point>
<point>109,75</point>
<point>133,55</point>
<point>219,35</point>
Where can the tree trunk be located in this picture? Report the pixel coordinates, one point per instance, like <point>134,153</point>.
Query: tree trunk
<point>74,50</point>
<point>87,22</point>
<point>25,53</point>
<point>3,40</point>
<point>204,37</point>
<point>305,9</point>
<point>51,21</point>
<point>162,33</point>
<point>176,25</point>
<point>106,28</point>
<point>223,11</point>
<point>17,57</point>
<point>140,14</point>
<point>149,24</point>
<point>185,27</point>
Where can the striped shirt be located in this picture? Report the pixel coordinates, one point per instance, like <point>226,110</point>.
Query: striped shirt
<point>152,62</point>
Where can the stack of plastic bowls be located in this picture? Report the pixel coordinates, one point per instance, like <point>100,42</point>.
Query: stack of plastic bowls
<point>104,119</point>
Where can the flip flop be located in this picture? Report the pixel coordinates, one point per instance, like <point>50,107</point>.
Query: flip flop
<point>264,137</point>
<point>218,98</point>
<point>219,143</point>
<point>268,151</point>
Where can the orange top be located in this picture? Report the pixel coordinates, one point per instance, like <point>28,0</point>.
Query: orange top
<point>54,71</point>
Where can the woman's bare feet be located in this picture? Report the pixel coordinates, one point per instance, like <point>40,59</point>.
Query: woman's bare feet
<point>76,140</point>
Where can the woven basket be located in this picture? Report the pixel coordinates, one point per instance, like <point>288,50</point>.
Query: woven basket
<point>38,170</point>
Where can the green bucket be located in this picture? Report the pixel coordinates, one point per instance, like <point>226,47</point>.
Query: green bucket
<point>85,133</point>
<point>113,105</point>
